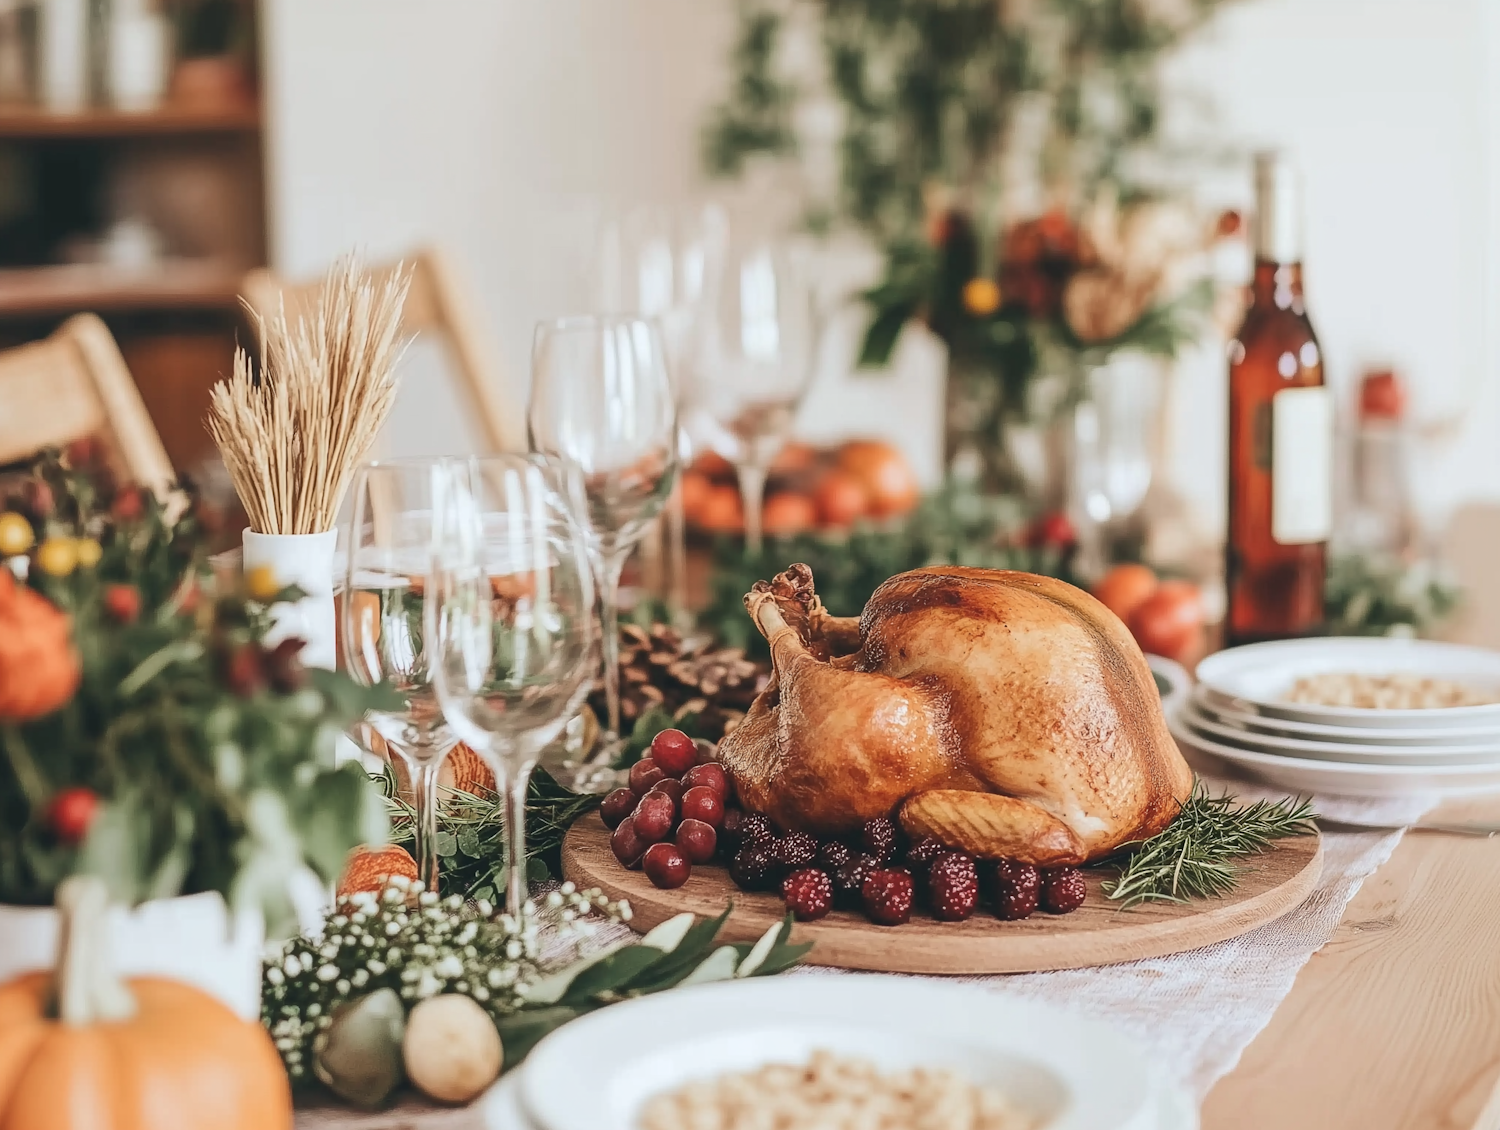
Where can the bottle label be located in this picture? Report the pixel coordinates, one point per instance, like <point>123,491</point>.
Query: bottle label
<point>1301,466</point>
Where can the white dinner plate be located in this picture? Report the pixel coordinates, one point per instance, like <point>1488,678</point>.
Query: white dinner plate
<point>1224,712</point>
<point>1281,745</point>
<point>1068,1072</point>
<point>1257,676</point>
<point>1296,774</point>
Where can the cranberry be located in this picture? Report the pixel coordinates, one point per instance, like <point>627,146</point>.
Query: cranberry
<point>666,867</point>
<point>708,776</point>
<point>643,774</point>
<point>284,665</point>
<point>671,786</point>
<point>71,812</point>
<point>702,803</point>
<point>808,894</point>
<point>618,805</point>
<point>674,752</point>
<point>626,844</point>
<point>122,602</point>
<point>696,840</point>
<point>654,816</point>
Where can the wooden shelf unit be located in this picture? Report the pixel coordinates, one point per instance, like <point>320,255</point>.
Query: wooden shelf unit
<point>187,284</point>
<point>27,122</point>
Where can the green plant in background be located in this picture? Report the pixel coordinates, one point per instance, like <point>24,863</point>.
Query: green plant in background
<point>193,756</point>
<point>1369,596</point>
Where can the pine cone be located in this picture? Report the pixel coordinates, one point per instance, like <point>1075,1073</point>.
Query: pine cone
<point>658,671</point>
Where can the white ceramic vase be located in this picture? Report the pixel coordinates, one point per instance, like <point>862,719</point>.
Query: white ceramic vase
<point>304,560</point>
<point>193,938</point>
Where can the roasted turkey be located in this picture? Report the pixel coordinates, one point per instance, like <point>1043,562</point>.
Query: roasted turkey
<point>1009,715</point>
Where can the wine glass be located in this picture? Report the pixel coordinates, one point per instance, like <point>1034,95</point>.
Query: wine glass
<point>510,620</point>
<point>390,546</point>
<point>753,360</point>
<point>1114,450</point>
<point>602,399</point>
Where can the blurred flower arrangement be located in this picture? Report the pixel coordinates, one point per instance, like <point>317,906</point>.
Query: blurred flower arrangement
<point>1007,159</point>
<point>148,732</point>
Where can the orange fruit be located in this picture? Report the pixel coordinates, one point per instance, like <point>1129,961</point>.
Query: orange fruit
<point>722,511</point>
<point>787,513</point>
<point>794,457</point>
<point>714,465</point>
<point>890,485</point>
<point>1170,621</point>
<point>841,498</point>
<point>696,487</point>
<point>1125,588</point>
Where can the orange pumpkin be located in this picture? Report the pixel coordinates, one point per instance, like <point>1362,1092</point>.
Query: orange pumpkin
<point>39,668</point>
<point>368,868</point>
<point>147,1054</point>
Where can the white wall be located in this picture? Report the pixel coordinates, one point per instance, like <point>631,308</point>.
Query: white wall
<point>486,124</point>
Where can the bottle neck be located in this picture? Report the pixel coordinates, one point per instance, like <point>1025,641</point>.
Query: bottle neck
<point>1277,284</point>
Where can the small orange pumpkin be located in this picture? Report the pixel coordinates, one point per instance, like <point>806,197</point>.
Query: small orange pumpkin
<point>39,668</point>
<point>147,1054</point>
<point>368,868</point>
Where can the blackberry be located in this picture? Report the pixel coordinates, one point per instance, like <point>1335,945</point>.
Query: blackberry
<point>878,838</point>
<point>1014,888</point>
<point>887,897</point>
<point>731,832</point>
<point>918,860</point>
<point>833,855</point>
<point>755,828</point>
<point>808,893</point>
<point>1063,890</point>
<point>796,850</point>
<point>953,886</point>
<point>849,878</point>
<point>754,867</point>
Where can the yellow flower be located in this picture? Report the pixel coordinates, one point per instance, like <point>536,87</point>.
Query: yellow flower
<point>89,552</point>
<point>260,583</point>
<point>57,556</point>
<point>981,297</point>
<point>16,535</point>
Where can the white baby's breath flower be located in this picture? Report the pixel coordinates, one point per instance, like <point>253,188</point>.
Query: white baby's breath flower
<point>359,978</point>
<point>554,899</point>
<point>275,976</point>
<point>292,966</point>
<point>480,993</point>
<point>568,888</point>
<point>428,986</point>
<point>375,966</point>
<point>392,929</point>
<point>329,949</point>
<point>341,986</point>
<point>449,966</point>
<point>328,972</point>
<point>314,1009</point>
<point>429,898</point>
<point>485,908</point>
<point>513,949</point>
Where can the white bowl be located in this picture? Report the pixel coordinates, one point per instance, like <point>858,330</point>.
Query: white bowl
<point>1258,676</point>
<point>1224,712</point>
<point>1352,752</point>
<point>1068,1072</point>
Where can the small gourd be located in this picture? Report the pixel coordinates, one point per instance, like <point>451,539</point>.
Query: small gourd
<point>138,1055</point>
<point>451,1048</point>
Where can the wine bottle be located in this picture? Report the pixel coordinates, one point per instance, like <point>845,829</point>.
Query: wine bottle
<point>1280,433</point>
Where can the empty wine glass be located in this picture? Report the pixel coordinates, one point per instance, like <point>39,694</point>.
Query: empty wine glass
<point>601,398</point>
<point>510,621</point>
<point>753,359</point>
<point>390,546</point>
<point>1114,445</point>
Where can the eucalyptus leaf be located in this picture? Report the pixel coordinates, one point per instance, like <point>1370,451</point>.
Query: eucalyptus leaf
<point>612,974</point>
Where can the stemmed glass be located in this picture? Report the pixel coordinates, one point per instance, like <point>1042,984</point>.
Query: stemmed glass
<point>1114,443</point>
<point>390,547</point>
<point>754,357</point>
<point>510,620</point>
<point>601,399</point>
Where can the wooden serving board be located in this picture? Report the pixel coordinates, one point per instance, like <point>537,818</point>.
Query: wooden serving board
<point>1097,933</point>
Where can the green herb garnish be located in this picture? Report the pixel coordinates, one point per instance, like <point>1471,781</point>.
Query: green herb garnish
<point>1194,856</point>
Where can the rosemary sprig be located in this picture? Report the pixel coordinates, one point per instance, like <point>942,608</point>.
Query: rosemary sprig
<point>1193,857</point>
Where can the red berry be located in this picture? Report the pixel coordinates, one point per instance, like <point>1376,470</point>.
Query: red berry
<point>702,803</point>
<point>643,774</point>
<point>627,846</point>
<point>671,786</point>
<point>808,893</point>
<point>696,840</point>
<point>665,866</point>
<point>1063,890</point>
<point>878,838</point>
<point>654,816</point>
<point>618,805</point>
<point>708,776</point>
<point>674,751</point>
<point>796,850</point>
<point>81,452</point>
<point>754,867</point>
<point>122,602</point>
<point>71,812</point>
<point>922,852</point>
<point>952,886</point>
<point>38,498</point>
<point>127,506</point>
<point>849,878</point>
<point>730,834</point>
<point>1015,889</point>
<point>284,665</point>
<point>833,855</point>
<point>242,670</point>
<point>887,897</point>
<point>1053,529</point>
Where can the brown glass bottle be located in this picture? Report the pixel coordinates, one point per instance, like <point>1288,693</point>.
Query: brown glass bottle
<point>1280,436</point>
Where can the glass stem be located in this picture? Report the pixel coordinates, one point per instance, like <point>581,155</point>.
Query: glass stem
<point>517,890</point>
<point>677,602</point>
<point>753,492</point>
<point>424,785</point>
<point>609,601</point>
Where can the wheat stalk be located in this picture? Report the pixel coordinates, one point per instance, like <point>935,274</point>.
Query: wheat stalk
<point>292,439</point>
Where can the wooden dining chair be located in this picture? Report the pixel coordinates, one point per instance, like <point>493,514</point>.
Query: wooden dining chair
<point>436,303</point>
<point>1471,546</point>
<point>73,385</point>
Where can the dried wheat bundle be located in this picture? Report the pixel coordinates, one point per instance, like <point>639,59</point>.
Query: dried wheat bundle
<point>292,439</point>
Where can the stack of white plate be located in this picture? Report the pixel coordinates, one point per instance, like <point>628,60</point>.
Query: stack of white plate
<point>1238,713</point>
<point>1061,1070</point>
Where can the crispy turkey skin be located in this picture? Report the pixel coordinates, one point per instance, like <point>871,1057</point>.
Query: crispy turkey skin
<point>1010,715</point>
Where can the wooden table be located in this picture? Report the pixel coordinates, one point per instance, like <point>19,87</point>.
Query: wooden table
<point>1395,1023</point>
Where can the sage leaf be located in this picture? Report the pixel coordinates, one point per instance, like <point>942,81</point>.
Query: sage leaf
<point>720,966</point>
